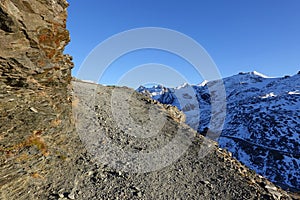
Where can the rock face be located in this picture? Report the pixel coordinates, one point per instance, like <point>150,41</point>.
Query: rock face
<point>37,136</point>
<point>33,36</point>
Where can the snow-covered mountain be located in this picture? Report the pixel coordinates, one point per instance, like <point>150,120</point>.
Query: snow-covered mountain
<point>262,120</point>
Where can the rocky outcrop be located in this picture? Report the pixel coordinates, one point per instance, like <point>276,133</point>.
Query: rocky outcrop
<point>37,137</point>
<point>175,113</point>
<point>33,36</point>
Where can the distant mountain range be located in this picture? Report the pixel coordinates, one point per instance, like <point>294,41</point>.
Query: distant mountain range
<point>262,120</point>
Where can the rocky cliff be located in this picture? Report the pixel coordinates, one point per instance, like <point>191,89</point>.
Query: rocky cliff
<point>33,36</point>
<point>37,137</point>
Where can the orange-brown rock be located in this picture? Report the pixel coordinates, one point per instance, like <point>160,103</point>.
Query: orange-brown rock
<point>33,36</point>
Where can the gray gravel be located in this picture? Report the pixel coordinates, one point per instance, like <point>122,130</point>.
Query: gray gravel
<point>171,163</point>
<point>117,151</point>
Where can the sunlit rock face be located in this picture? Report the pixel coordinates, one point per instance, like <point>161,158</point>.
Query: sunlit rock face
<point>33,36</point>
<point>37,137</point>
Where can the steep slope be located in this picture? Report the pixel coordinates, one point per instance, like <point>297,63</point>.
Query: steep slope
<point>262,124</point>
<point>190,167</point>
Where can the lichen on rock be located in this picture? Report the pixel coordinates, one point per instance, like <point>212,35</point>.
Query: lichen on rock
<point>33,36</point>
<point>36,128</point>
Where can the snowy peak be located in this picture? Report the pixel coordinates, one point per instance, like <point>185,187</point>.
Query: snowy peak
<point>185,85</point>
<point>203,83</point>
<point>254,74</point>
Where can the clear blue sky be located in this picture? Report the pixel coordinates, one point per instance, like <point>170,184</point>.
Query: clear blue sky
<point>239,35</point>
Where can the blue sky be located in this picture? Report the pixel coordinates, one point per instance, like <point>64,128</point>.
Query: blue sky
<point>239,35</point>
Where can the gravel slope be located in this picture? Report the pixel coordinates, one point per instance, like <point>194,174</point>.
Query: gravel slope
<point>123,172</point>
<point>43,155</point>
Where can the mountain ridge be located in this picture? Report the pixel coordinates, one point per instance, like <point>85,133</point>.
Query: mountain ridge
<point>255,104</point>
